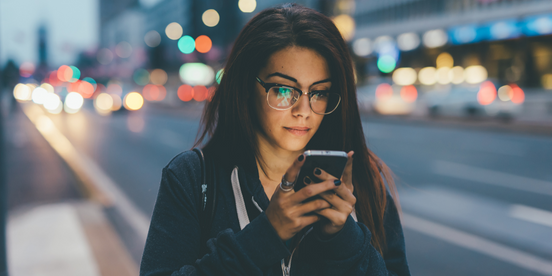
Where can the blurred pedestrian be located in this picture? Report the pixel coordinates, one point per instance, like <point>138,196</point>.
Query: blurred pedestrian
<point>257,136</point>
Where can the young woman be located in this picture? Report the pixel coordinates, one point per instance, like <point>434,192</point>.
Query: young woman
<point>288,87</point>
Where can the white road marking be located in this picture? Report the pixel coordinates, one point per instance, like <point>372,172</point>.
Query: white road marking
<point>96,181</point>
<point>478,244</point>
<point>531,214</point>
<point>492,177</point>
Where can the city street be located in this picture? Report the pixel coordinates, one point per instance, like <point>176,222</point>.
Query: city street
<point>474,202</point>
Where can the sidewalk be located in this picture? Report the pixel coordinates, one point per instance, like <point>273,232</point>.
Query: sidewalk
<point>52,227</point>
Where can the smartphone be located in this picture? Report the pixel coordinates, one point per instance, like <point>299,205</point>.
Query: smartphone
<point>332,162</point>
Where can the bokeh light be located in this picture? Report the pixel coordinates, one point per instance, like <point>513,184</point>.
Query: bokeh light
<point>117,102</point>
<point>427,75</point>
<point>435,38</point>
<point>158,77</point>
<point>386,63</point>
<point>456,75</point>
<point>487,93</point>
<point>197,74</point>
<point>22,92</point>
<point>153,92</point>
<point>346,26</point>
<point>444,60</point>
<point>141,77</point>
<point>219,75</point>
<point>133,101</point>
<point>518,96</point>
<point>64,73</point>
<point>203,44</point>
<point>104,56</point>
<point>76,74</point>
<point>408,41</point>
<point>186,44</point>
<point>152,38</point>
<point>409,93</point>
<point>39,95</point>
<point>73,102</point>
<point>185,93</point>
<point>200,93</point>
<point>91,81</point>
<point>86,89</point>
<point>405,76</point>
<point>384,91</point>
<point>442,75</point>
<point>210,18</point>
<point>48,87</point>
<point>247,6</point>
<point>475,74</point>
<point>53,103</point>
<point>362,47</point>
<point>123,49</point>
<point>114,88</point>
<point>103,103</point>
<point>546,81</point>
<point>53,79</point>
<point>505,93</point>
<point>173,31</point>
<point>26,69</point>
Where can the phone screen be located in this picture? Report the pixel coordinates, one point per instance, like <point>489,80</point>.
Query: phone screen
<point>333,162</point>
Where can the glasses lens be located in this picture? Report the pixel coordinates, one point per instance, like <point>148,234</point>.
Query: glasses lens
<point>281,97</point>
<point>324,102</point>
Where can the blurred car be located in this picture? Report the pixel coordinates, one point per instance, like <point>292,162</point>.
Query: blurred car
<point>474,101</point>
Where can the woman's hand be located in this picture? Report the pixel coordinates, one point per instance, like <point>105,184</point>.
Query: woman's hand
<point>342,201</point>
<point>287,213</point>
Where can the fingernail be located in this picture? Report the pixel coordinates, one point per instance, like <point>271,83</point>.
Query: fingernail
<point>337,182</point>
<point>308,180</point>
<point>301,157</point>
<point>317,171</point>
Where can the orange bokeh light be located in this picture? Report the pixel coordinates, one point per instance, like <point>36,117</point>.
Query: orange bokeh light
<point>519,95</point>
<point>203,44</point>
<point>487,93</point>
<point>384,90</point>
<point>185,93</point>
<point>86,89</point>
<point>64,73</point>
<point>211,93</point>
<point>153,92</point>
<point>200,93</point>
<point>409,93</point>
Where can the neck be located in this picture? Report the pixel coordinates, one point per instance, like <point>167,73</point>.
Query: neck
<point>276,160</point>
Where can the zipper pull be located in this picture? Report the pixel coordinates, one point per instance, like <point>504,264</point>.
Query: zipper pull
<point>286,271</point>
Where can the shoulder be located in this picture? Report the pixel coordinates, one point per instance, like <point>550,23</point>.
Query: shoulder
<point>185,167</point>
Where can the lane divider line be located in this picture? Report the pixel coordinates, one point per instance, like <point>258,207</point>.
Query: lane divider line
<point>478,244</point>
<point>98,185</point>
<point>496,178</point>
<point>531,214</point>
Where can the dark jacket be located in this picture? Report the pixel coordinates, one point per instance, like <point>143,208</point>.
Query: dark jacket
<point>173,242</point>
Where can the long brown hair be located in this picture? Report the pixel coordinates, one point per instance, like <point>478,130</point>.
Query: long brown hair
<point>229,118</point>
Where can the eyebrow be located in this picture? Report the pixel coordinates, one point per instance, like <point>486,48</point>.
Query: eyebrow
<point>295,80</point>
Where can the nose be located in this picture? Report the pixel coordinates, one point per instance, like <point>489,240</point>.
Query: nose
<point>302,106</point>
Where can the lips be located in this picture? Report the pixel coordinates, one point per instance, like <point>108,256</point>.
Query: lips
<point>299,131</point>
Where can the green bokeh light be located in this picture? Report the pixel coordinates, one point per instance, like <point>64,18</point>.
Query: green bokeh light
<point>141,76</point>
<point>218,76</point>
<point>76,74</point>
<point>186,44</point>
<point>386,64</point>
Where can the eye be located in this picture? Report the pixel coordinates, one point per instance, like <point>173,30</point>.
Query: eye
<point>320,94</point>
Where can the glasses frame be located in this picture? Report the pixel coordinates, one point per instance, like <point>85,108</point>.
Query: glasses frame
<point>267,87</point>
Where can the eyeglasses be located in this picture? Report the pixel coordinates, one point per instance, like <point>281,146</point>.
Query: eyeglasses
<point>283,97</point>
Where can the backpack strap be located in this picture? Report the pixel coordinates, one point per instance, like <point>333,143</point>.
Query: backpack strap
<point>208,195</point>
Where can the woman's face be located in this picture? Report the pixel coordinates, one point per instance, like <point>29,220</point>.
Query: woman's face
<point>300,68</point>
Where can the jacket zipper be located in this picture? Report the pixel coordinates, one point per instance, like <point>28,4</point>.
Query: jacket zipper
<point>287,268</point>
